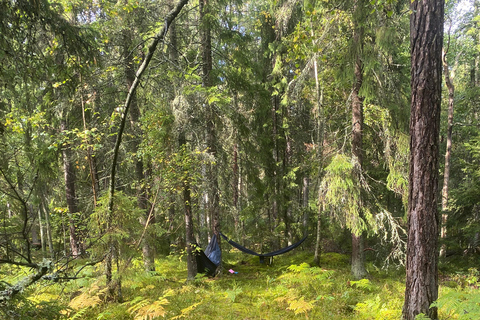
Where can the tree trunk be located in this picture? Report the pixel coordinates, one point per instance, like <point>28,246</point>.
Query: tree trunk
<point>426,40</point>
<point>211,138</point>
<point>160,36</point>
<point>43,241</point>
<point>140,175</point>
<point>448,151</point>
<point>236,187</point>
<point>48,227</point>
<point>189,236</point>
<point>358,254</point>
<point>318,248</point>
<point>305,196</point>
<point>70,180</point>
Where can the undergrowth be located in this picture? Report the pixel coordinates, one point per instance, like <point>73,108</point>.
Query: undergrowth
<point>291,288</point>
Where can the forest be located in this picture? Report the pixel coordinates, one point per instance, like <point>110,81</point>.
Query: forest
<point>142,143</point>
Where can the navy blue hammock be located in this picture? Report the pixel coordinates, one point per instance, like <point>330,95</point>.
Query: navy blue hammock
<point>263,255</point>
<point>209,260</point>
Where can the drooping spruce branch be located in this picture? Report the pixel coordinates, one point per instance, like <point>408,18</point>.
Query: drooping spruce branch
<point>151,50</point>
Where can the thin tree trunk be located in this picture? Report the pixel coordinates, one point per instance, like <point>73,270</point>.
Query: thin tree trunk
<point>318,248</point>
<point>235,187</point>
<point>130,96</point>
<point>42,235</point>
<point>140,175</point>
<point>426,40</point>
<point>70,180</point>
<point>448,152</point>
<point>189,235</point>
<point>48,228</point>
<point>305,196</point>
<point>91,164</point>
<point>211,139</point>
<point>358,253</point>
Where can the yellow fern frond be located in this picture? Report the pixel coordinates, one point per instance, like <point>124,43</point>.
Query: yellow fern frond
<point>300,306</point>
<point>186,311</point>
<point>150,312</point>
<point>84,300</point>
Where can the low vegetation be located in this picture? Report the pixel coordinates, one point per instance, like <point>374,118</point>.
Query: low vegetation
<point>292,287</point>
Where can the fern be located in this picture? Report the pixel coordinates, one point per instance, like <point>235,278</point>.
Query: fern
<point>363,284</point>
<point>185,312</point>
<point>144,309</point>
<point>379,309</point>
<point>462,305</point>
<point>300,306</point>
<point>299,268</point>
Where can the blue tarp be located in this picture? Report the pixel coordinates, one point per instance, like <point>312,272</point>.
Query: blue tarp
<point>213,251</point>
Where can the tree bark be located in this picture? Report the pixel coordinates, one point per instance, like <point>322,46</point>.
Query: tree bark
<point>426,40</point>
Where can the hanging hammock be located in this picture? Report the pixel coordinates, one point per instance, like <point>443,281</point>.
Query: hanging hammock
<point>263,255</point>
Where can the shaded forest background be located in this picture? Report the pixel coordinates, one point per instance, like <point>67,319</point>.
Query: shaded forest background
<point>263,119</point>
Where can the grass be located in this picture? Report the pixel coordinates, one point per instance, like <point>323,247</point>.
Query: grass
<point>292,288</point>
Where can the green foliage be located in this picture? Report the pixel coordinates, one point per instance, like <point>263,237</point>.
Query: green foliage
<point>342,194</point>
<point>363,284</point>
<point>234,292</point>
<point>461,305</point>
<point>380,308</point>
<point>119,226</point>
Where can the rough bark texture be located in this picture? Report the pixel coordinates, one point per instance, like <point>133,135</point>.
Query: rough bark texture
<point>426,40</point>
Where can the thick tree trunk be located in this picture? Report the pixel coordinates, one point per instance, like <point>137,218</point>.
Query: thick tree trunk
<point>426,39</point>
<point>70,180</point>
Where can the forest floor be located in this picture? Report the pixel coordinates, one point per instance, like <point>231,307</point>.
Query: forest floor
<point>290,288</point>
